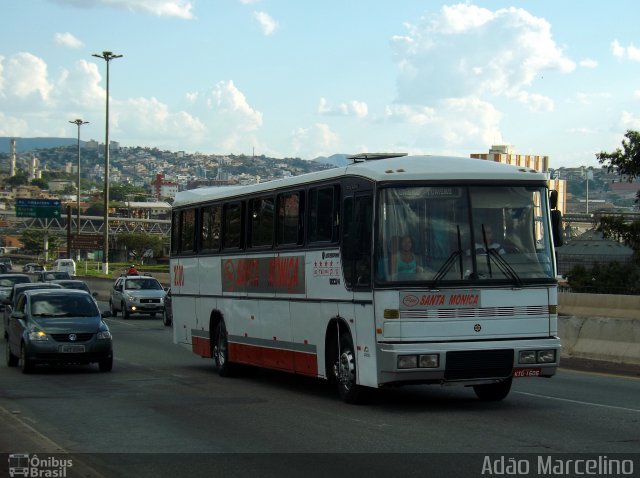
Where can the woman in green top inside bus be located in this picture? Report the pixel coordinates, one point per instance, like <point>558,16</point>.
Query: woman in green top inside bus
<point>406,262</point>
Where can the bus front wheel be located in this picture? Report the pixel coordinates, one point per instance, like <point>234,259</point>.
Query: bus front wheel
<point>221,350</point>
<point>493,391</point>
<point>345,371</point>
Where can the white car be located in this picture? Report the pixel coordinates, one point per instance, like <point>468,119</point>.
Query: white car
<point>137,294</point>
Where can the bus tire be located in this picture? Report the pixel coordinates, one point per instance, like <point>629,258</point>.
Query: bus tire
<point>345,371</point>
<point>221,350</point>
<point>493,392</point>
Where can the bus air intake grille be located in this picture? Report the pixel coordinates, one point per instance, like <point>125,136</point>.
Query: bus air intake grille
<point>520,311</point>
<point>473,364</point>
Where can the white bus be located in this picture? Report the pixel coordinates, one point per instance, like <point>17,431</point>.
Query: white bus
<point>380,273</point>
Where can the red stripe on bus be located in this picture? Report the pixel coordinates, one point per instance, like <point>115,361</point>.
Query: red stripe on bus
<point>279,359</point>
<point>200,346</point>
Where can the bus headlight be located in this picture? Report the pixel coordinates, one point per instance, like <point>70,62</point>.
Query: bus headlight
<point>407,361</point>
<point>546,356</point>
<point>429,361</point>
<point>527,356</point>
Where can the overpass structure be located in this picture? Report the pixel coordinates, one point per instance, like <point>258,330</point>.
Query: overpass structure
<point>10,224</point>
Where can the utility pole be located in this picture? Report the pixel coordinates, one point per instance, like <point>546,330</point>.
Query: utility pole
<point>107,56</point>
<point>78,122</point>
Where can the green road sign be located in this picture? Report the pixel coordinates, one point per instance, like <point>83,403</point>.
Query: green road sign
<point>39,208</point>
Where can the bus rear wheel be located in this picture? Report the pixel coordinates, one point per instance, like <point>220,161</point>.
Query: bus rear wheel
<point>221,350</point>
<point>493,392</point>
<point>345,371</point>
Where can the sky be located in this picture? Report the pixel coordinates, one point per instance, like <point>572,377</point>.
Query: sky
<point>294,78</point>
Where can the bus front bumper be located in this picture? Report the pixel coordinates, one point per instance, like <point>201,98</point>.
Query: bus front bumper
<point>469,363</point>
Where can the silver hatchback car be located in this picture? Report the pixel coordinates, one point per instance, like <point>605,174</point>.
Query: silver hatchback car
<point>137,294</point>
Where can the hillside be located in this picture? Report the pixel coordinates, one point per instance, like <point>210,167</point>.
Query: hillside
<point>29,144</point>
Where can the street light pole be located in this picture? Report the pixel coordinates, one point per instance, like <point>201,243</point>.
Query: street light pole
<point>106,56</point>
<point>79,123</point>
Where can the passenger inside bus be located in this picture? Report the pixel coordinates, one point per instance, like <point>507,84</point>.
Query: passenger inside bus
<point>406,261</point>
<point>491,242</point>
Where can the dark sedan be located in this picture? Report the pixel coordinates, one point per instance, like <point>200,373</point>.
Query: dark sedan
<point>58,326</point>
<point>12,299</point>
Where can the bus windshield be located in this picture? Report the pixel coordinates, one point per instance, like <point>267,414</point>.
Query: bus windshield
<point>439,234</point>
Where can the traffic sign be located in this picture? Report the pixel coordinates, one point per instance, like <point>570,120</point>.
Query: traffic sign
<point>87,242</point>
<point>41,208</point>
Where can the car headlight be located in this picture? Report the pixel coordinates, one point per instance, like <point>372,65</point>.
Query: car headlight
<point>129,297</point>
<point>104,335</point>
<point>37,335</point>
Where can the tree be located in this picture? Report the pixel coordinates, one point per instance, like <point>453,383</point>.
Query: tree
<point>625,161</point>
<point>33,241</point>
<point>41,183</point>
<point>138,244</point>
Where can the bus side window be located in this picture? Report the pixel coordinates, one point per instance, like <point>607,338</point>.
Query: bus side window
<point>289,219</point>
<point>175,231</point>
<point>210,221</point>
<point>357,237</point>
<point>322,214</point>
<point>187,223</point>
<point>261,222</point>
<point>232,232</point>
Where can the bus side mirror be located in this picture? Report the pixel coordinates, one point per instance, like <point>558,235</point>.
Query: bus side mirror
<point>553,199</point>
<point>556,227</point>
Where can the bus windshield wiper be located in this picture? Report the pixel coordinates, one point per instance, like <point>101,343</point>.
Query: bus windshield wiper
<point>504,266</point>
<point>448,264</point>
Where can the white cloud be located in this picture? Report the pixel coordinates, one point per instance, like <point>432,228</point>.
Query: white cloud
<point>588,63</point>
<point>248,2</point>
<point>350,108</point>
<point>636,93</point>
<point>24,76</point>
<point>419,115</point>
<point>466,50</point>
<point>535,102</point>
<point>162,8</point>
<point>629,121</point>
<point>267,24</point>
<point>230,102</point>
<point>315,141</point>
<point>11,126</point>
<point>585,131</point>
<point>68,40</point>
<point>630,53</point>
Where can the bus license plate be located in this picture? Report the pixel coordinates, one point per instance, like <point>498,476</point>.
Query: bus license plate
<point>71,349</point>
<point>527,372</point>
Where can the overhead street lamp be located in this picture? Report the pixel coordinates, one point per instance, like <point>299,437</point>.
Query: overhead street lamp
<point>106,56</point>
<point>78,122</point>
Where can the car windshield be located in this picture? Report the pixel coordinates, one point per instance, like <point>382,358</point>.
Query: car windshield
<point>138,284</point>
<point>64,306</point>
<point>10,281</point>
<point>56,275</point>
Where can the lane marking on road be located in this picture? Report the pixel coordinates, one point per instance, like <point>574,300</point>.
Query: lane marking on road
<point>580,402</point>
<point>121,322</point>
<point>600,374</point>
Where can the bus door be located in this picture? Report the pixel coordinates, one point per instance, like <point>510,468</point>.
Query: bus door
<point>356,243</point>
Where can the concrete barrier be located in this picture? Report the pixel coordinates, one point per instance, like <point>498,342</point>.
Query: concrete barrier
<point>603,327</point>
<point>608,339</point>
<point>599,305</point>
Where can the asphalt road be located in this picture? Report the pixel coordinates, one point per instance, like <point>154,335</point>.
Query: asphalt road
<point>163,411</point>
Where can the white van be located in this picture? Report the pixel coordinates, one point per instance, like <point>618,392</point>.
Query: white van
<point>65,265</point>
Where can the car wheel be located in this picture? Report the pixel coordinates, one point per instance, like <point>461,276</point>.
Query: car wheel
<point>125,312</point>
<point>114,311</point>
<point>25,363</point>
<point>106,365</point>
<point>12,360</point>
<point>165,318</point>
